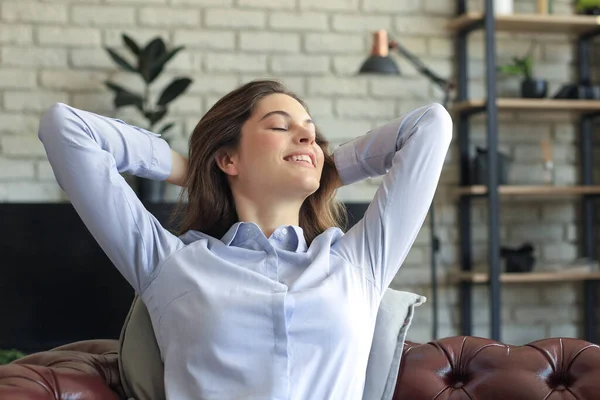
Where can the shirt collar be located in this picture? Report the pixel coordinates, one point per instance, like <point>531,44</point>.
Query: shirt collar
<point>291,236</point>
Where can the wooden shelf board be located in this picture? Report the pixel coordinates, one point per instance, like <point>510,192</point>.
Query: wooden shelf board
<point>527,190</point>
<point>565,276</point>
<point>552,23</point>
<point>519,104</point>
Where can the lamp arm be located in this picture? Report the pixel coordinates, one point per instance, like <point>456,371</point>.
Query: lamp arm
<point>422,68</point>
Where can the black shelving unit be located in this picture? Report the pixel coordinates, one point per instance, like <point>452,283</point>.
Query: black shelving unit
<point>487,21</point>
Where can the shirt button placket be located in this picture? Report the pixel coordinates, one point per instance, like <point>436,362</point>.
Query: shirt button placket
<point>271,261</point>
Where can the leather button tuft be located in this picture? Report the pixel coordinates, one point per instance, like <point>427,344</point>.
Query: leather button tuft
<point>457,380</point>
<point>561,381</point>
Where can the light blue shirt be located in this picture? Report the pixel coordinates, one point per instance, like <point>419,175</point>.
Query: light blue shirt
<point>245,316</point>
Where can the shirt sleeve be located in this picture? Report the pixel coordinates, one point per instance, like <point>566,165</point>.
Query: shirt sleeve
<point>87,152</point>
<point>410,151</point>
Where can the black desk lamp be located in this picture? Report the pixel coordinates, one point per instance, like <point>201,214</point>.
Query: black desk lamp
<point>379,62</point>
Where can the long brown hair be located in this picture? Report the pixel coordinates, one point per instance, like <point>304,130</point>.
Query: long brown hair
<point>210,207</point>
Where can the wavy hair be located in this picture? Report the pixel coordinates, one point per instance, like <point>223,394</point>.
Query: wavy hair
<point>206,203</point>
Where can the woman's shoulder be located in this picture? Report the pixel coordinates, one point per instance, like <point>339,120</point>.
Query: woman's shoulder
<point>192,236</point>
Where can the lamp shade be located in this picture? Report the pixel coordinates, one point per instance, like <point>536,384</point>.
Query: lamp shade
<point>379,65</point>
<point>379,62</point>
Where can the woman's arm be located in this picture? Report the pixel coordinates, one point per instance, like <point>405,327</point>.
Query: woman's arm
<point>179,170</point>
<point>338,179</point>
<point>87,152</point>
<point>410,151</point>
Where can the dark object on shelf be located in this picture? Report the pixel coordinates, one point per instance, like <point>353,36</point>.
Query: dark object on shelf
<point>151,191</point>
<point>592,11</point>
<point>531,88</point>
<point>573,91</point>
<point>534,88</point>
<point>588,92</point>
<point>587,7</point>
<point>520,259</point>
<point>479,172</point>
<point>567,91</point>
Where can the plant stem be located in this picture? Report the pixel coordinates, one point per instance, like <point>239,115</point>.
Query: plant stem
<point>147,103</point>
<point>146,97</point>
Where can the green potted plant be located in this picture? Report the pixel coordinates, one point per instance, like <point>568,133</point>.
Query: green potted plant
<point>8,356</point>
<point>150,63</point>
<point>588,7</point>
<point>531,87</point>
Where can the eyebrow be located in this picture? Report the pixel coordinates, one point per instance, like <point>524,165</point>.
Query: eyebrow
<point>285,114</point>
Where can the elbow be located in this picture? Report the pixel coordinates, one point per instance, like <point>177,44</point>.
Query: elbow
<point>52,121</point>
<point>441,118</point>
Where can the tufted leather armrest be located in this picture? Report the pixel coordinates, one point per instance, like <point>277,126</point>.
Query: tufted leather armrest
<point>81,370</point>
<point>473,368</point>
<point>458,368</point>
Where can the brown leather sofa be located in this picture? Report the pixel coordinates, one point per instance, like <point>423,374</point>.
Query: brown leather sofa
<point>454,368</point>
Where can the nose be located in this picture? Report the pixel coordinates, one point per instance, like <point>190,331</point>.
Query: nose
<point>305,135</point>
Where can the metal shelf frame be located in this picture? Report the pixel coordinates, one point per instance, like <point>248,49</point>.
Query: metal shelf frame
<point>490,107</point>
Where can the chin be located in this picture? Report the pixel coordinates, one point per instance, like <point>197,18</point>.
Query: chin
<point>303,188</point>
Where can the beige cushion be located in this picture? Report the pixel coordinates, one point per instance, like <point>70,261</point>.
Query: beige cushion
<point>142,370</point>
<point>140,365</point>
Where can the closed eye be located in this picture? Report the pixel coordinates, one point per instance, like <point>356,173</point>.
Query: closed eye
<point>279,129</point>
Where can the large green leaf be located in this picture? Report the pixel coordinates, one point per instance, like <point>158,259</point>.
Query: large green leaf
<point>149,56</point>
<point>124,97</point>
<point>510,69</point>
<point>120,60</point>
<point>166,128</point>
<point>159,65</point>
<point>128,99</point>
<point>528,67</point>
<point>131,44</point>
<point>174,90</point>
<point>155,116</point>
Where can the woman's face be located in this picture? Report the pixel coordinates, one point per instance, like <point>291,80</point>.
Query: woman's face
<point>278,128</point>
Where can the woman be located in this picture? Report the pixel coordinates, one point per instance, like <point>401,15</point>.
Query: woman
<point>261,295</point>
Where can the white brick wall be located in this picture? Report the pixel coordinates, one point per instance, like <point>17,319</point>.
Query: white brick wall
<point>298,21</point>
<point>34,11</point>
<point>227,18</point>
<point>54,51</point>
<point>102,16</point>
<point>167,17</point>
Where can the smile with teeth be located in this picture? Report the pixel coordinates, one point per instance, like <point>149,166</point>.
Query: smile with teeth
<point>300,158</point>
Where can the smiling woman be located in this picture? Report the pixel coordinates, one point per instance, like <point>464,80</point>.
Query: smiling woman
<point>238,166</point>
<point>261,273</point>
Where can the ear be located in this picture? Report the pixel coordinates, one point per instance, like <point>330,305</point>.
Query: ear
<point>227,161</point>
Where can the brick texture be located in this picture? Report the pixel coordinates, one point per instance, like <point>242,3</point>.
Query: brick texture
<point>166,16</point>
<point>298,21</point>
<point>103,16</point>
<point>16,34</point>
<point>33,11</point>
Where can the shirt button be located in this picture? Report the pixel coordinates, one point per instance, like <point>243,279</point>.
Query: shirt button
<point>284,230</point>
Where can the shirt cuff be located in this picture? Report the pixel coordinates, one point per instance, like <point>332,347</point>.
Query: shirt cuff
<point>347,164</point>
<point>162,159</point>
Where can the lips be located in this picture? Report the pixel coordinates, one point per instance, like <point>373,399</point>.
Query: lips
<point>302,163</point>
<point>303,153</point>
